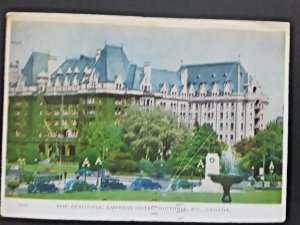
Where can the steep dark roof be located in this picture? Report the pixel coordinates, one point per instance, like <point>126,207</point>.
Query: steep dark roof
<point>36,63</point>
<point>159,77</point>
<point>218,73</point>
<point>81,64</point>
<point>112,62</point>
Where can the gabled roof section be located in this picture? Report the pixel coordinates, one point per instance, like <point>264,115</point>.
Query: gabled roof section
<point>159,77</point>
<point>72,67</point>
<point>36,63</point>
<point>218,73</point>
<point>134,77</point>
<point>113,61</point>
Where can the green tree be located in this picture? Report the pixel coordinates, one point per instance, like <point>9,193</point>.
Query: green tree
<point>245,146</point>
<point>268,147</point>
<point>31,153</point>
<point>104,137</point>
<point>12,185</point>
<point>204,140</point>
<point>12,153</point>
<point>153,134</point>
<point>146,166</point>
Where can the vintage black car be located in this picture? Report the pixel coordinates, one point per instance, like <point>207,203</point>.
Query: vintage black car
<point>182,184</point>
<point>145,184</point>
<point>111,183</point>
<point>79,185</point>
<point>39,186</point>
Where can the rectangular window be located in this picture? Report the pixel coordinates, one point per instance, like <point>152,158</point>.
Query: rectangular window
<point>242,126</point>
<point>231,137</point>
<point>221,115</point>
<point>221,126</point>
<point>231,126</point>
<point>232,115</point>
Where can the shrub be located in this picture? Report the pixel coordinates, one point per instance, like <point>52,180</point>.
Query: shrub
<point>12,185</point>
<point>161,166</point>
<point>70,158</point>
<point>32,153</point>
<point>12,153</point>
<point>127,166</point>
<point>28,177</point>
<point>146,166</point>
<point>110,165</point>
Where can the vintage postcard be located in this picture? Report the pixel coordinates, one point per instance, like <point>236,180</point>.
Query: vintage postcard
<point>144,119</point>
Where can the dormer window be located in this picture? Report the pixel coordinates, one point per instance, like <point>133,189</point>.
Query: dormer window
<point>69,71</point>
<point>59,72</point>
<point>76,71</point>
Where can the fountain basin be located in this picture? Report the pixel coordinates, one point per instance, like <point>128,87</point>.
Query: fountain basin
<point>226,180</point>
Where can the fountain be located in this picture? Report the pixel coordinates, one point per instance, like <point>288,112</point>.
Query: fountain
<point>229,174</point>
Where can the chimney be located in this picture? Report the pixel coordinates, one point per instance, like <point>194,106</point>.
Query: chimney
<point>147,71</point>
<point>98,53</point>
<point>52,64</point>
<point>184,76</point>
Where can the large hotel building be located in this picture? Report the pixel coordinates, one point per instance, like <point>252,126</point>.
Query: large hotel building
<point>50,104</point>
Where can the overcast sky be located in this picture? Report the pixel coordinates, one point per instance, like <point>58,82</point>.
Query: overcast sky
<point>261,53</point>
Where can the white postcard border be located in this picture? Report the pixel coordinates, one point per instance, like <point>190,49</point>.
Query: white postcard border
<point>175,212</point>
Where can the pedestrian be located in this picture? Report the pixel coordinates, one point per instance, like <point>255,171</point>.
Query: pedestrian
<point>65,175</point>
<point>77,175</point>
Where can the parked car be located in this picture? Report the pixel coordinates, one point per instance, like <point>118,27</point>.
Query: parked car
<point>79,185</point>
<point>93,173</point>
<point>145,184</point>
<point>111,183</point>
<point>39,186</point>
<point>84,171</point>
<point>161,176</point>
<point>182,184</point>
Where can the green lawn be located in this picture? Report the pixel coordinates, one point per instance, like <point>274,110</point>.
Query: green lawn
<point>256,197</point>
<point>69,167</point>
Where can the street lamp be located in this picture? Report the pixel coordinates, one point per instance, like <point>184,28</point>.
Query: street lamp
<point>252,169</point>
<point>97,163</point>
<point>271,168</point>
<point>35,163</point>
<point>86,164</point>
<point>21,162</point>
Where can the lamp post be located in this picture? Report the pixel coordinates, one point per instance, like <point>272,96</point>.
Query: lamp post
<point>35,163</point>
<point>86,164</point>
<point>271,168</point>
<point>252,169</point>
<point>97,164</point>
<point>21,162</point>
